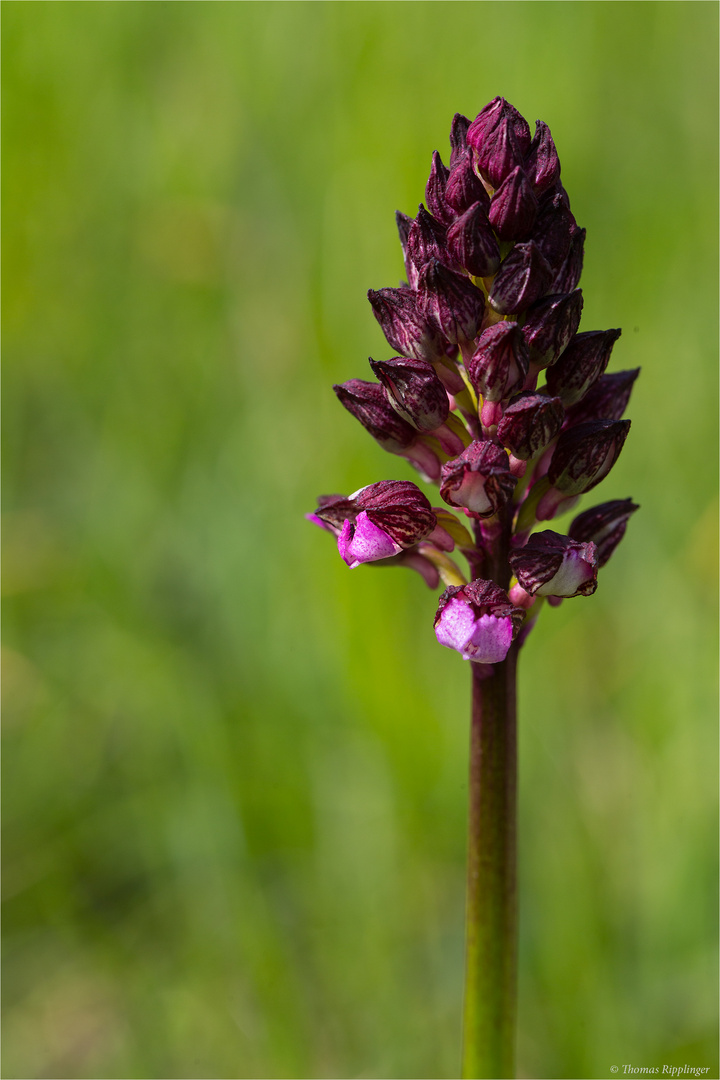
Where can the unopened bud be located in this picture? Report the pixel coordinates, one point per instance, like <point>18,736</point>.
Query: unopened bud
<point>568,275</point>
<point>607,398</point>
<point>585,454</point>
<point>368,403</point>
<point>403,222</point>
<point>451,300</point>
<point>582,362</point>
<point>464,187</point>
<point>427,240</point>
<point>406,329</point>
<point>542,163</point>
<point>414,391</point>
<point>458,138</point>
<point>530,422</point>
<point>604,525</point>
<point>500,138</point>
<point>550,325</point>
<point>499,365</point>
<point>435,191</point>
<point>473,244</point>
<point>514,207</point>
<point>554,229</point>
<point>524,276</point>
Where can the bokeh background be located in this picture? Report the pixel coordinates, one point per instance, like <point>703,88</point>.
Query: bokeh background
<point>235,771</point>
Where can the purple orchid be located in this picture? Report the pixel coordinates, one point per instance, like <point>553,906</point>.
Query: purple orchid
<point>581,364</point>
<point>498,368</point>
<point>478,620</point>
<point>529,423</point>
<point>554,565</point>
<point>377,521</point>
<point>604,526</point>
<point>491,303</point>
<point>479,479</point>
<point>493,262</point>
<point>550,325</point>
<point>473,244</point>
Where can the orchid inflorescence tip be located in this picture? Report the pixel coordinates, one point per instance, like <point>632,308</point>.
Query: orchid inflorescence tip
<point>492,393</point>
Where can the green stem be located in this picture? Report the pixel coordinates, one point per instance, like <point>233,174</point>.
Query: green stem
<point>491,916</point>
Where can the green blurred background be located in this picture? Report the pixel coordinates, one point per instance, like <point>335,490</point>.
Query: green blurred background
<point>235,772</point>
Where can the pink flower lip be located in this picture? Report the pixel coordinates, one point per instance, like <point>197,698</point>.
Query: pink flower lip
<point>484,639</point>
<point>363,541</point>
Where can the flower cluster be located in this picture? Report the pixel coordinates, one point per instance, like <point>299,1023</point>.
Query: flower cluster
<point>494,394</point>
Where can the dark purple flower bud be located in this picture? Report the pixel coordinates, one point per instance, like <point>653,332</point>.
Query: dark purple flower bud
<point>491,116</point>
<point>464,188</point>
<point>514,207</point>
<point>550,325</point>
<point>542,163</point>
<point>435,191</point>
<point>473,244</point>
<point>427,240</point>
<point>478,620</point>
<point>403,222</point>
<point>500,138</point>
<point>568,275</point>
<point>479,479</point>
<point>458,138</point>
<point>451,300</point>
<point>368,403</point>
<point>406,329</point>
<point>524,276</point>
<point>554,229</point>
<point>585,454</point>
<point>499,154</point>
<point>583,361</point>
<point>552,193</point>
<point>604,525</point>
<point>530,423</point>
<point>606,399</point>
<point>499,365</point>
<point>414,391</point>
<point>553,565</point>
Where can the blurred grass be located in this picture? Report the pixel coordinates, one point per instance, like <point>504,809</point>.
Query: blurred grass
<point>234,772</point>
